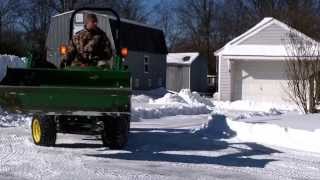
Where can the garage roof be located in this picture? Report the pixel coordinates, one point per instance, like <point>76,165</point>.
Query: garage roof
<point>239,47</point>
<point>182,58</point>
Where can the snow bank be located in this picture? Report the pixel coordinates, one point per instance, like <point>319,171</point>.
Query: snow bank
<point>276,135</point>
<point>247,115</point>
<point>6,119</point>
<point>171,104</point>
<point>255,106</point>
<point>265,133</point>
<point>11,61</point>
<point>13,120</point>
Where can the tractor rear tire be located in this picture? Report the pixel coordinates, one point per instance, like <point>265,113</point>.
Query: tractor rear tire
<point>44,130</point>
<point>115,134</point>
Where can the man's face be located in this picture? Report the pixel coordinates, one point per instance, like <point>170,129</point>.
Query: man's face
<point>91,24</point>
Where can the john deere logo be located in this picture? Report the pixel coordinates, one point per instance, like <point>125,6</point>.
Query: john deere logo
<point>95,77</point>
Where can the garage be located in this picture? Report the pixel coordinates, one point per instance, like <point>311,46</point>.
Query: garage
<point>253,65</point>
<point>258,80</point>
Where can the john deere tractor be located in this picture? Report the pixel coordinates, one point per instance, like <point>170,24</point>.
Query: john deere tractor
<point>86,100</point>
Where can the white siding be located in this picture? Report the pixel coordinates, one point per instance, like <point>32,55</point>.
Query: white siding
<point>224,79</point>
<point>271,35</point>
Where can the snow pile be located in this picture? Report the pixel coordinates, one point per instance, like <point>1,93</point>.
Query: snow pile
<point>171,104</point>
<point>13,120</point>
<point>217,127</point>
<point>285,135</point>
<point>153,112</point>
<point>169,99</point>
<point>12,62</point>
<point>194,98</point>
<point>155,93</point>
<point>140,99</point>
<point>255,106</point>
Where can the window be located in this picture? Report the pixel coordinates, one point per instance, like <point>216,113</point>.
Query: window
<point>146,64</point>
<point>79,18</point>
<point>137,83</point>
<point>186,58</point>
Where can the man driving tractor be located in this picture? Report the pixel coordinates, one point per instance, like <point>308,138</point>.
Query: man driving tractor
<point>89,47</point>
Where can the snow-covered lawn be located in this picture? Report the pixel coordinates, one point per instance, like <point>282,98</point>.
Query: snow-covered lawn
<point>175,136</point>
<point>163,148</point>
<point>272,124</point>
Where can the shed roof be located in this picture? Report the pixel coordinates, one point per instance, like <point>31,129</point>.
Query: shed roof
<point>182,58</point>
<point>236,48</point>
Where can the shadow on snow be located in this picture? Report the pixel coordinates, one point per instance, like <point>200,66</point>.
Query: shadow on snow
<point>151,145</point>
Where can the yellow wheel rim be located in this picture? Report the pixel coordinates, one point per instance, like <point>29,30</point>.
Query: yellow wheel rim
<point>36,130</point>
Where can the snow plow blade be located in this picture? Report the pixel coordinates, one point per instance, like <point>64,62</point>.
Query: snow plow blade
<point>65,91</point>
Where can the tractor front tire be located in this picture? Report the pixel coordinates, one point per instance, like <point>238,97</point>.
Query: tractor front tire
<point>44,130</point>
<point>115,134</point>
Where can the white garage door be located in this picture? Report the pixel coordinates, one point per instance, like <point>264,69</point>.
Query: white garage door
<point>259,81</point>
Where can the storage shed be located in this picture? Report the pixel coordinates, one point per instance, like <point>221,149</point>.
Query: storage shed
<point>253,67</point>
<point>187,71</point>
<point>146,45</point>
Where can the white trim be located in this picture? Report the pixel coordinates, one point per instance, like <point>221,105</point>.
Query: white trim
<point>189,77</point>
<point>61,14</point>
<point>257,28</point>
<point>266,22</point>
<point>272,58</point>
<point>219,77</point>
<point>243,36</point>
<point>269,58</point>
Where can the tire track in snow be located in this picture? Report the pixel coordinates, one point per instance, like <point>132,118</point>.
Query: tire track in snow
<point>18,157</point>
<point>9,152</point>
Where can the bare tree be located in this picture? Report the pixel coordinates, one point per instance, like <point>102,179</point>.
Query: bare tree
<point>61,6</point>
<point>132,9</point>
<point>7,14</point>
<point>35,21</point>
<point>196,19</point>
<point>264,8</point>
<point>303,66</point>
<point>166,18</point>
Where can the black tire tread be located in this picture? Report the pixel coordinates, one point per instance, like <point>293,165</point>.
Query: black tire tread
<point>48,130</point>
<point>115,134</point>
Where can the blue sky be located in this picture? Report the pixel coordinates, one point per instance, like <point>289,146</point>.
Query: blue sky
<point>151,3</point>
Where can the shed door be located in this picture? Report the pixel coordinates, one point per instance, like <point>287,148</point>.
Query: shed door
<point>178,77</point>
<point>259,81</point>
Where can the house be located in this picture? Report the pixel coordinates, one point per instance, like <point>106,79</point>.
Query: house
<point>187,71</point>
<point>253,67</point>
<point>147,47</point>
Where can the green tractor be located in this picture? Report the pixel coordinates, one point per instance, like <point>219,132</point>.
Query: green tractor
<point>88,100</point>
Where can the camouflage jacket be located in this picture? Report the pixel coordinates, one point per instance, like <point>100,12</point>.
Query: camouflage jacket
<point>88,47</point>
